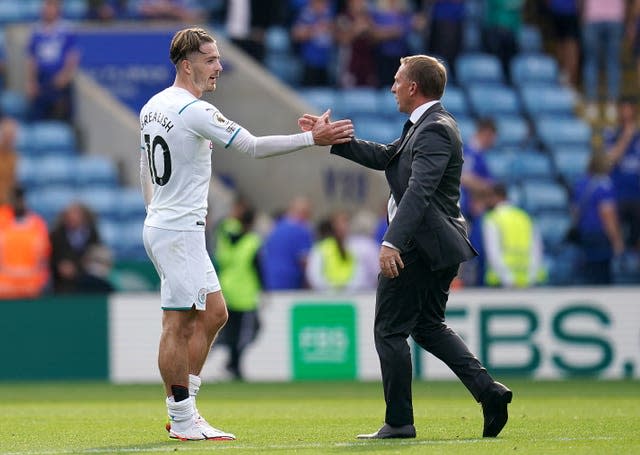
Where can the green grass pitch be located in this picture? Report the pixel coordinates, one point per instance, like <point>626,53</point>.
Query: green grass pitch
<point>559,417</point>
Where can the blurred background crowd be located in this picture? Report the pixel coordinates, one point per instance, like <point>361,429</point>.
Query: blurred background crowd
<point>545,93</point>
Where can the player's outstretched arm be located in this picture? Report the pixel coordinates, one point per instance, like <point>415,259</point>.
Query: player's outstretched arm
<point>323,132</point>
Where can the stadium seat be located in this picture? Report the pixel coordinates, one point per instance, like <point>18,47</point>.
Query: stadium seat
<point>75,9</point>
<point>529,165</point>
<point>354,101</point>
<point>285,67</point>
<point>27,173</point>
<point>544,99</point>
<point>14,104</point>
<point>387,104</point>
<point>130,204</point>
<point>626,268</point>
<point>570,161</point>
<point>560,130</point>
<point>493,99</point>
<point>455,101</point>
<point>513,130</point>
<point>530,39</point>
<point>95,170</point>
<point>321,98</point>
<point>52,135</point>
<point>467,127</point>
<point>277,40</point>
<point>50,201</point>
<point>553,227</point>
<point>538,196</point>
<point>59,170</point>
<point>500,161</point>
<point>478,67</point>
<point>376,128</point>
<point>104,202</point>
<point>534,68</point>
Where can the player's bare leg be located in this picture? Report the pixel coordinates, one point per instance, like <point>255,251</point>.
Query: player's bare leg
<point>207,325</point>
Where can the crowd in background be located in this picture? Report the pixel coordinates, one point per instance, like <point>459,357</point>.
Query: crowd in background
<point>363,41</point>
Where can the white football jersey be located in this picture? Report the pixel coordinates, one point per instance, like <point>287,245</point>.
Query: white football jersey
<point>178,132</point>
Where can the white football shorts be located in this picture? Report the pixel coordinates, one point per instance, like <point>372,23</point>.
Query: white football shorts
<point>184,266</point>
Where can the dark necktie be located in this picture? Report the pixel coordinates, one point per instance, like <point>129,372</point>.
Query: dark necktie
<point>408,124</point>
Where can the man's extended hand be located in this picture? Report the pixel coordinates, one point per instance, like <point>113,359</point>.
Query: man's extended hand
<point>326,132</point>
<point>390,262</point>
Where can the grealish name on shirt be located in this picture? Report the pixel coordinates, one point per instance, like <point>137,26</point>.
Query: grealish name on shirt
<point>157,117</point>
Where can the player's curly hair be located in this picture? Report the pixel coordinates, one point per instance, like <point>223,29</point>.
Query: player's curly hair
<point>187,41</point>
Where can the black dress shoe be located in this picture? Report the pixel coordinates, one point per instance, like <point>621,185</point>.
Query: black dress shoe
<point>388,432</point>
<point>494,408</point>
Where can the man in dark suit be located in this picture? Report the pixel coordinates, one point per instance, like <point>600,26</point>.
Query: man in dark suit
<point>422,249</point>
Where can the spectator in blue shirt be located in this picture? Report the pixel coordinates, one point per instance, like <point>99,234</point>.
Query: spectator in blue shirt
<point>393,21</point>
<point>596,219</point>
<point>623,150</point>
<point>52,64</point>
<point>284,253</point>
<point>313,31</point>
<point>476,176</point>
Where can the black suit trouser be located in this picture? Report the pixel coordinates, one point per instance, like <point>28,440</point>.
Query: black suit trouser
<point>414,304</point>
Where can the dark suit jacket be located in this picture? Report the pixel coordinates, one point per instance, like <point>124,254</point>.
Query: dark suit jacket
<point>424,176</point>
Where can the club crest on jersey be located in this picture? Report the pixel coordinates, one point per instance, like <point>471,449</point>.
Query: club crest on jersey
<point>202,294</point>
<point>221,121</point>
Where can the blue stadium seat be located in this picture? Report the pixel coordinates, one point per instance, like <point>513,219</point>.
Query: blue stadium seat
<point>493,100</point>
<point>104,202</point>
<point>455,101</point>
<point>570,161</point>
<point>277,40</point>
<point>626,268</point>
<point>387,104</point>
<point>59,170</point>
<point>360,100</point>
<point>534,68</point>
<point>530,39</point>
<point>129,244</point>
<point>553,227</point>
<point>467,127</point>
<point>51,200</point>
<point>377,129</point>
<point>500,163</point>
<point>14,104</point>
<point>75,9</point>
<point>285,67</point>
<point>95,170</point>
<point>513,130</point>
<point>12,11</point>
<point>27,173</point>
<point>321,98</point>
<point>528,165</point>
<point>52,135</point>
<point>539,196</point>
<point>560,130</point>
<point>478,67</point>
<point>545,99</point>
<point>131,204</point>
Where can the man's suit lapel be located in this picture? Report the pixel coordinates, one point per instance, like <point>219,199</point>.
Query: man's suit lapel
<point>423,117</point>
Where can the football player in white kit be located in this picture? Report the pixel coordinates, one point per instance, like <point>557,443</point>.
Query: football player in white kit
<point>177,132</point>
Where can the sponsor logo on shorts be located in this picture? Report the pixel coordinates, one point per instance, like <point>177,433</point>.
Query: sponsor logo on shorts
<point>202,294</point>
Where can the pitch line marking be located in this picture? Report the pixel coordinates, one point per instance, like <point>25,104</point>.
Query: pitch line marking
<point>200,445</point>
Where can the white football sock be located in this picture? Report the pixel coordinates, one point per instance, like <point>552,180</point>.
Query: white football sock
<point>194,385</point>
<point>181,414</point>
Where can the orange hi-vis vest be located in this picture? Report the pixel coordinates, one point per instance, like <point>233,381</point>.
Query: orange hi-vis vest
<point>24,257</point>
